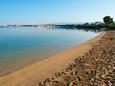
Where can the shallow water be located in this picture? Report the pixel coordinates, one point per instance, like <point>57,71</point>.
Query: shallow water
<point>22,45</point>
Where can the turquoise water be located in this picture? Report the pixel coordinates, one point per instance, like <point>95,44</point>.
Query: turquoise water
<point>22,45</point>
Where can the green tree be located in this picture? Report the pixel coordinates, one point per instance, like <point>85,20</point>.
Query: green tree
<point>108,20</point>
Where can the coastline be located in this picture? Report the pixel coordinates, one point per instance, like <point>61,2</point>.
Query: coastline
<point>94,68</point>
<point>36,72</point>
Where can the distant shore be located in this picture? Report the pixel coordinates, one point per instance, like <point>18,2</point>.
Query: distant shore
<point>37,72</point>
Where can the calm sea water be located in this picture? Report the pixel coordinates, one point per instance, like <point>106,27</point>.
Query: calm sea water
<point>22,45</point>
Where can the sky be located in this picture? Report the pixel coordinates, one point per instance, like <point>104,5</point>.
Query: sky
<point>54,11</point>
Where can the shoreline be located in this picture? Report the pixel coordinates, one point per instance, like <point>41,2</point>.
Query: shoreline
<point>36,72</point>
<point>95,68</point>
<point>17,67</point>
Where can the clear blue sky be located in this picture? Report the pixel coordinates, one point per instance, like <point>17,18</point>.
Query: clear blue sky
<point>54,11</point>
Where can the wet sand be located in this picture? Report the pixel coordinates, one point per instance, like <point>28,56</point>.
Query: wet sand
<point>32,74</point>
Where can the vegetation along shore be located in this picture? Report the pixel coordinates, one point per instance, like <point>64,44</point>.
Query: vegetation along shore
<point>107,25</point>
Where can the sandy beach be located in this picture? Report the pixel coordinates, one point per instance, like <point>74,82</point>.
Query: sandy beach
<point>32,74</point>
